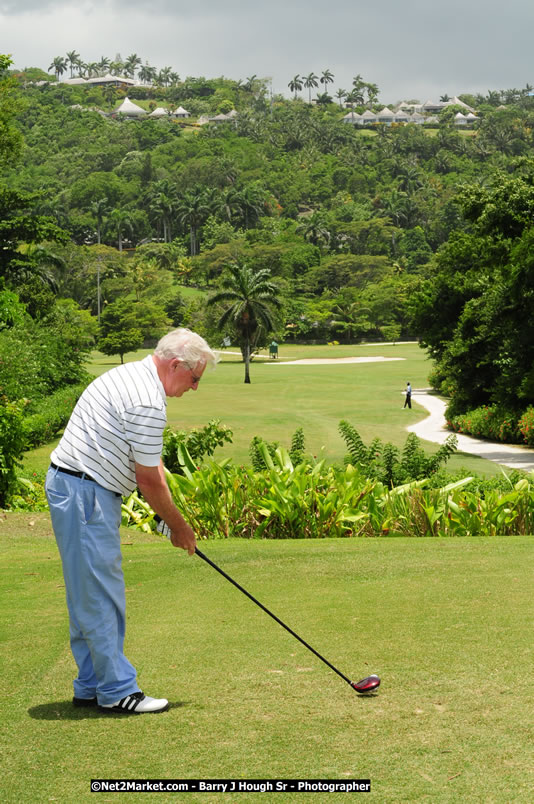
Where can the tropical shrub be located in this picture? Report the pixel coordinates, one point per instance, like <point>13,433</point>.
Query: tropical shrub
<point>296,450</point>
<point>526,426</point>
<point>51,415</point>
<point>179,445</point>
<point>12,445</point>
<point>286,501</point>
<point>29,494</point>
<point>488,421</point>
<point>390,465</point>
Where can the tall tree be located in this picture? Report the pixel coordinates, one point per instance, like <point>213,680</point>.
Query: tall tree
<point>251,297</point>
<point>122,221</point>
<point>99,208</point>
<point>193,210</point>
<point>295,85</point>
<point>326,78</point>
<point>310,81</point>
<point>73,60</point>
<point>59,65</point>
<point>341,94</point>
<point>147,74</point>
<point>103,64</point>
<point>131,64</point>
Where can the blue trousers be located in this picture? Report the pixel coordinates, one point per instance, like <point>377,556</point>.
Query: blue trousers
<point>86,518</point>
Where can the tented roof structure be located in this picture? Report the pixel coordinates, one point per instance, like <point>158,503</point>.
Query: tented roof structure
<point>129,109</point>
<point>385,113</point>
<point>352,117</point>
<point>159,112</point>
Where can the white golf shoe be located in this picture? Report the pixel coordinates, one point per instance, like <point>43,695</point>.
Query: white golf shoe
<point>137,704</point>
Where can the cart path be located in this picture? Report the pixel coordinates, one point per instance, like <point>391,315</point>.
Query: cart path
<point>433,428</point>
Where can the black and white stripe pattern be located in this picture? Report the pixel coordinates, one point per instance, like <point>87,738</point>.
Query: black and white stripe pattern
<point>117,422</point>
<point>127,704</point>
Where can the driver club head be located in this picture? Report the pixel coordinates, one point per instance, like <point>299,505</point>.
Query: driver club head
<point>366,685</point>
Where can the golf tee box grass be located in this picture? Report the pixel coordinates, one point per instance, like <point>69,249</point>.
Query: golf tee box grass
<point>446,622</point>
<point>365,686</point>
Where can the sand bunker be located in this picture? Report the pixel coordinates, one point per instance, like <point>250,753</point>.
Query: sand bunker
<point>317,361</point>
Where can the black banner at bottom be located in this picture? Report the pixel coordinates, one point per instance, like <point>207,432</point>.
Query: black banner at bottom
<point>230,786</point>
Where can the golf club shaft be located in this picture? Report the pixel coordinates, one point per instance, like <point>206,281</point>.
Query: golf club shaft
<point>266,610</point>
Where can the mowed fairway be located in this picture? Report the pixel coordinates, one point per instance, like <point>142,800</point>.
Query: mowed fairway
<point>282,398</point>
<point>447,624</point>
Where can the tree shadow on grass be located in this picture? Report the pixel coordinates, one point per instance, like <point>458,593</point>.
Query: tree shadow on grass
<point>64,710</point>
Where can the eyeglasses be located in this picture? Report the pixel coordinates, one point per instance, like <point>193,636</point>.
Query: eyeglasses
<point>195,379</point>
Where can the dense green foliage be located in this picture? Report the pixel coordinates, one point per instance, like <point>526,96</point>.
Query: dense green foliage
<point>43,342</point>
<point>12,445</point>
<point>346,221</point>
<point>286,501</point>
<point>181,448</point>
<point>47,416</point>
<point>390,465</point>
<point>474,309</point>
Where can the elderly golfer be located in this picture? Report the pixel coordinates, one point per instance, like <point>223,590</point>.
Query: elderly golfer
<point>113,443</point>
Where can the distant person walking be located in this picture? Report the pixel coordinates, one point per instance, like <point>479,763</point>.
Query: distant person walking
<point>408,400</point>
<point>273,350</point>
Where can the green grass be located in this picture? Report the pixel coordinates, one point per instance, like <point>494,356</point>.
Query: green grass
<point>282,398</point>
<point>447,624</point>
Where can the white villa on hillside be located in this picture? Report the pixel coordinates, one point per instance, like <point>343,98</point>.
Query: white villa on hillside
<point>102,81</point>
<point>412,113</point>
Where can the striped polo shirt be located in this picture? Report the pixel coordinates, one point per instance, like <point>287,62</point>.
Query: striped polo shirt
<point>117,422</point>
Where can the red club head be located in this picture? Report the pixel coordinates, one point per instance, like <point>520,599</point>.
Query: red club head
<point>368,684</point>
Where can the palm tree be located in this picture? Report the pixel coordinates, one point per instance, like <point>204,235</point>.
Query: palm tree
<point>73,59</point>
<point>164,76</point>
<point>249,85</point>
<point>295,85</point>
<point>341,94</point>
<point>103,64</point>
<point>121,220</point>
<point>372,93</point>
<point>323,99</point>
<point>326,78</point>
<point>131,64</point>
<point>162,205</point>
<point>193,210</point>
<point>251,296</point>
<point>314,229</point>
<point>116,67</point>
<point>355,98</point>
<point>350,316</point>
<point>59,65</point>
<point>250,204</point>
<point>99,208</point>
<point>147,74</point>
<point>45,264</point>
<point>309,82</point>
<point>110,94</point>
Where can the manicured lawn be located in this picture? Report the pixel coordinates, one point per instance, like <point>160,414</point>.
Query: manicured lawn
<point>282,398</point>
<point>447,624</point>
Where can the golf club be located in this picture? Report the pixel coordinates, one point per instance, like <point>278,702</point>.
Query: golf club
<point>366,685</point>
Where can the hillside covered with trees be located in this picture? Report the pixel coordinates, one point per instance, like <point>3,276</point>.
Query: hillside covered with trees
<point>377,232</point>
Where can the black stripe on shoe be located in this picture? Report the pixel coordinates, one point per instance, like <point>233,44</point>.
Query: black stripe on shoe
<point>126,705</point>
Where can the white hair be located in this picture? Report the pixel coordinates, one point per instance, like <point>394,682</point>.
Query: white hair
<point>186,346</point>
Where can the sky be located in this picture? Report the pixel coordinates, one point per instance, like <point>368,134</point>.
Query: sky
<point>413,49</point>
